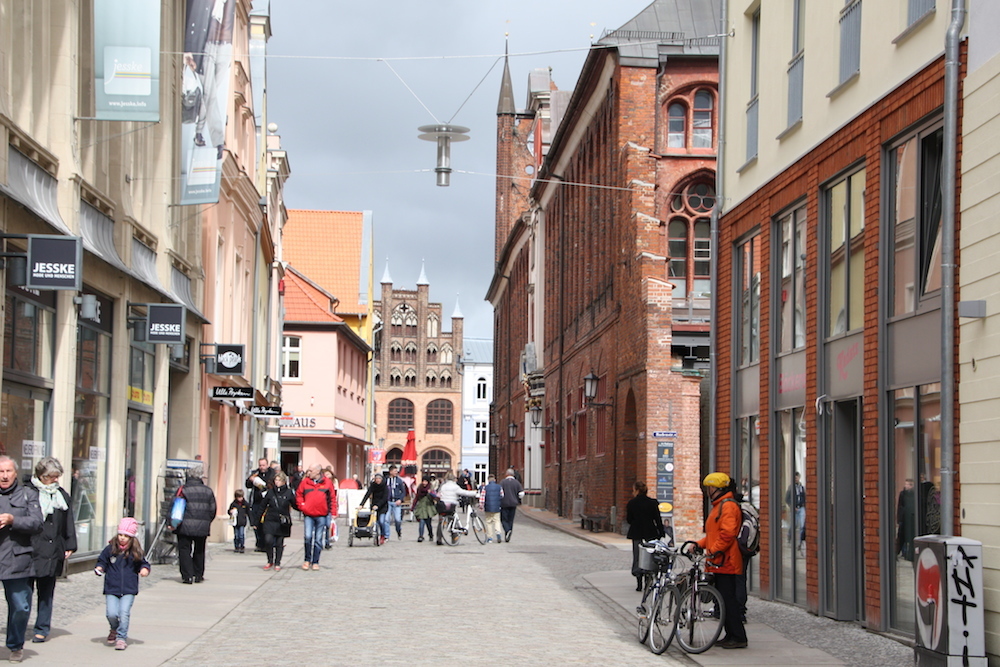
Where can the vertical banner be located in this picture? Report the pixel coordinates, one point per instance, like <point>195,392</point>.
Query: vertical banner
<point>127,60</point>
<point>206,69</point>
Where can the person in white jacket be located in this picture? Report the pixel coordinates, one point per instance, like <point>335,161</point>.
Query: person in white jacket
<point>449,494</point>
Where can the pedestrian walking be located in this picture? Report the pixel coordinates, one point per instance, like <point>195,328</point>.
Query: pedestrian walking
<point>20,518</point>
<point>379,494</point>
<point>121,564</point>
<point>449,496</point>
<point>196,524</point>
<point>332,535</point>
<point>513,491</point>
<point>277,520</point>
<point>52,546</point>
<point>258,483</point>
<point>239,513</point>
<point>397,494</point>
<point>424,510</point>
<point>721,529</point>
<point>644,523</point>
<point>490,498</point>
<point>315,498</point>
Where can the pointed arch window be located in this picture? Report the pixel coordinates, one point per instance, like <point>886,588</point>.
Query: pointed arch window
<point>432,326</point>
<point>432,354</point>
<point>430,380</point>
<point>446,354</point>
<point>446,380</point>
<point>410,354</point>
<point>395,378</point>
<point>395,352</point>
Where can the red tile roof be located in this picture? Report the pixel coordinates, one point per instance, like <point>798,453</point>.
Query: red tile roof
<point>306,301</point>
<point>325,246</point>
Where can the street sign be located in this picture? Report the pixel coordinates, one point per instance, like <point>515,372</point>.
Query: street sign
<point>265,410</point>
<point>664,434</point>
<point>232,392</point>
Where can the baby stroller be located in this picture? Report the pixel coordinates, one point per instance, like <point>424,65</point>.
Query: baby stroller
<point>364,525</point>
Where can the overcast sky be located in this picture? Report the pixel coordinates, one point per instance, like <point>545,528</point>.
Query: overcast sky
<point>349,122</point>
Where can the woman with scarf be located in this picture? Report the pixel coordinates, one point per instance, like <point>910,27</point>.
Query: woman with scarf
<point>53,545</point>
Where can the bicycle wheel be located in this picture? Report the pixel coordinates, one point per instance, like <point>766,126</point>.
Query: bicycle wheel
<point>452,532</point>
<point>663,619</point>
<point>479,528</point>
<point>642,611</point>
<point>700,617</point>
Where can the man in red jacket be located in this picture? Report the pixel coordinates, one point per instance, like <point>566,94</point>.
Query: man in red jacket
<point>315,498</point>
<point>721,529</point>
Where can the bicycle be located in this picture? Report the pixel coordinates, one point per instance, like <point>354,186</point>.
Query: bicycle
<point>657,610</point>
<point>700,614</point>
<point>453,526</point>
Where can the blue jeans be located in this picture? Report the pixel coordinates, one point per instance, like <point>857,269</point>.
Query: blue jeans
<point>394,516</point>
<point>18,594</point>
<point>118,611</point>
<point>46,592</point>
<point>239,537</point>
<point>315,529</point>
<point>383,523</point>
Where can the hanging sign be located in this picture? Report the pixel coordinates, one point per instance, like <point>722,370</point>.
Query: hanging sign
<point>229,359</point>
<point>54,262</point>
<point>265,410</point>
<point>127,60</point>
<point>232,392</point>
<point>165,323</point>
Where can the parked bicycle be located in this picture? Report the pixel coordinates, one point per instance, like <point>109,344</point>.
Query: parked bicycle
<point>457,523</point>
<point>657,610</point>
<point>700,614</point>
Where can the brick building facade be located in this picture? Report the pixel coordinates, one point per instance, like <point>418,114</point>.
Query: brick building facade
<point>585,284</point>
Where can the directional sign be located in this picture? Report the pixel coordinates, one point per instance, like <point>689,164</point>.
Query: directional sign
<point>265,410</point>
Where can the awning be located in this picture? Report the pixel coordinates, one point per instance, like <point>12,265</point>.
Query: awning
<point>97,230</point>
<point>144,267</point>
<point>34,188</point>
<point>182,288</point>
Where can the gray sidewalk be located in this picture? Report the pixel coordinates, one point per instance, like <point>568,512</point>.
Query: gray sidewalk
<point>780,635</point>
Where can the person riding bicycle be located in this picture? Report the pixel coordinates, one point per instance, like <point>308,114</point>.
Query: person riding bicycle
<point>448,497</point>
<point>722,526</point>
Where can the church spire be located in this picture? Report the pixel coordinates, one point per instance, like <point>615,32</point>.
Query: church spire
<point>506,105</point>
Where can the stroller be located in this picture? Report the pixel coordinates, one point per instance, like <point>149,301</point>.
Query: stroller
<point>364,525</point>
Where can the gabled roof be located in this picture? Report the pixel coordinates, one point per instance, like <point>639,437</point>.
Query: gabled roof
<point>327,247</point>
<point>305,301</point>
<point>682,27</point>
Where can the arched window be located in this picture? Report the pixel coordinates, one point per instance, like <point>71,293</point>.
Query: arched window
<point>481,389</point>
<point>446,379</point>
<point>435,461</point>
<point>410,323</point>
<point>395,352</point>
<point>377,378</point>
<point>432,354</point>
<point>411,353</point>
<point>400,415</point>
<point>676,126</point>
<point>439,416</point>
<point>432,326</point>
<point>702,129</point>
<point>410,378</point>
<point>446,354</point>
<point>396,323</point>
<point>430,380</point>
<point>395,378</point>
<point>689,245</point>
<point>394,456</point>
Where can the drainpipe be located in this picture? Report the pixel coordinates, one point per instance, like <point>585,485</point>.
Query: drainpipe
<point>949,166</point>
<point>713,367</point>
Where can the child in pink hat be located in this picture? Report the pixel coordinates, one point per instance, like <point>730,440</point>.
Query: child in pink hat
<point>122,563</point>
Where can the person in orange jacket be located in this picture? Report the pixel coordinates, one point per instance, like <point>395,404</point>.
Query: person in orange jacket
<point>721,529</point>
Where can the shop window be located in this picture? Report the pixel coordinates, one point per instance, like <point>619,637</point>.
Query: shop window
<point>88,477</point>
<point>790,234</point>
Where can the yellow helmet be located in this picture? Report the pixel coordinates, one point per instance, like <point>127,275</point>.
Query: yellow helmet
<point>719,480</point>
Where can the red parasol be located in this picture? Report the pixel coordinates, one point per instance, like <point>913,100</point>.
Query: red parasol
<point>409,460</point>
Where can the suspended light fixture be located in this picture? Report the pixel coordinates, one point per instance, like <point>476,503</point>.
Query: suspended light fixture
<point>443,134</point>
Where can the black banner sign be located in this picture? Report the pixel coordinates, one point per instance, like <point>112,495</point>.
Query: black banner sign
<point>265,410</point>
<point>229,359</point>
<point>54,262</point>
<point>166,323</point>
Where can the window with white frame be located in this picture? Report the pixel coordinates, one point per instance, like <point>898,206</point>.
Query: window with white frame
<point>481,389</point>
<point>291,357</point>
<point>481,433</point>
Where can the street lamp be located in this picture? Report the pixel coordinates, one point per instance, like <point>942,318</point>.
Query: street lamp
<point>512,430</point>
<point>536,415</point>
<point>443,134</point>
<point>590,385</point>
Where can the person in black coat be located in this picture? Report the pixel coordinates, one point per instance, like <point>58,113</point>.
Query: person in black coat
<point>277,519</point>
<point>378,491</point>
<point>53,545</point>
<point>258,482</point>
<point>199,513</point>
<point>644,523</point>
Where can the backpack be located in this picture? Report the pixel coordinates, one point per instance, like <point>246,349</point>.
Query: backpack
<point>749,535</point>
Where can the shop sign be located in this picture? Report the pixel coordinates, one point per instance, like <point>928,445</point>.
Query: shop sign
<point>54,262</point>
<point>140,395</point>
<point>376,456</point>
<point>229,359</point>
<point>232,392</point>
<point>265,410</point>
<point>166,323</point>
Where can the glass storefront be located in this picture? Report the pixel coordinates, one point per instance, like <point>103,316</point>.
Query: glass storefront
<point>789,551</point>
<point>138,439</point>
<point>90,429</point>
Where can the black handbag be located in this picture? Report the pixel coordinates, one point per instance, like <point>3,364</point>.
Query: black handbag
<point>284,520</point>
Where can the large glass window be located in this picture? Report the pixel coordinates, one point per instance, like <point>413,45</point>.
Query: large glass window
<point>701,136</point>
<point>689,245</point>
<point>440,416</point>
<point>791,467</point>
<point>90,432</point>
<point>29,332</point>
<point>845,208</point>
<point>748,258</point>
<point>916,484</point>
<point>140,376</point>
<point>915,182</point>
<point>748,429</point>
<point>24,424</point>
<point>791,234</point>
<point>400,415</point>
